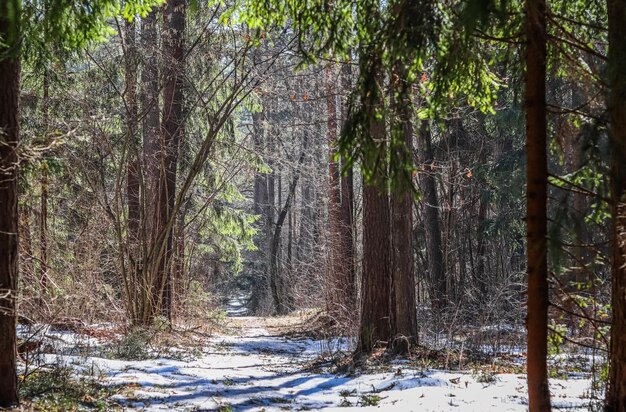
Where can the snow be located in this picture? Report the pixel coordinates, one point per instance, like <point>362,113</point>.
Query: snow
<point>255,370</point>
<point>237,306</point>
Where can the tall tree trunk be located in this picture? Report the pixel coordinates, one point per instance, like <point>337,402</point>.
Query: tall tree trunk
<point>432,227</point>
<point>9,137</point>
<point>178,258</point>
<point>26,247</point>
<point>480,270</point>
<point>281,302</point>
<point>536,201</point>
<point>270,211</point>
<point>346,216</point>
<point>150,172</point>
<point>172,131</point>
<point>43,211</point>
<point>376,284</point>
<point>336,278</point>
<point>480,275</point>
<point>404,319</point>
<point>130,96</point>
<point>616,394</point>
<point>133,167</point>
<point>309,215</point>
<point>260,186</point>
<point>261,200</point>
<point>150,120</point>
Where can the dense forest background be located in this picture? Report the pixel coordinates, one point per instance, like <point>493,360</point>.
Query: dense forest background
<point>363,159</point>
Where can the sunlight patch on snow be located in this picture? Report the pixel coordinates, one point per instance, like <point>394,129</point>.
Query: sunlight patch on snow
<point>255,370</point>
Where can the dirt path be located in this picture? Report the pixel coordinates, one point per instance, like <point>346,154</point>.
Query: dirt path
<point>254,366</point>
<point>251,366</point>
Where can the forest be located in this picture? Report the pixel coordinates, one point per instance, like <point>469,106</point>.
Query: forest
<point>264,205</point>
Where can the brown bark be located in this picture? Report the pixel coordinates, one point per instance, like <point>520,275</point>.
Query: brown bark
<point>43,211</point>
<point>432,227</point>
<point>536,200</point>
<point>150,120</point>
<point>376,283</point>
<point>260,185</point>
<point>346,226</point>
<point>133,183</point>
<point>404,319</point>
<point>178,259</point>
<point>481,267</point>
<point>133,163</point>
<point>172,131</point>
<point>26,246</point>
<point>480,276</point>
<point>336,279</point>
<point>9,137</point>
<point>260,208</point>
<point>282,304</point>
<point>616,393</point>
<point>269,212</point>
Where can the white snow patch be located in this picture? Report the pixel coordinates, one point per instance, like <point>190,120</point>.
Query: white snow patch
<point>255,371</point>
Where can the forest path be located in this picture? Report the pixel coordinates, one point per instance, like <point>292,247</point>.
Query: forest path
<point>251,365</point>
<point>256,365</point>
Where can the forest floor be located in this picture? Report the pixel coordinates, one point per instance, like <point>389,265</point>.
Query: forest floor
<point>260,364</point>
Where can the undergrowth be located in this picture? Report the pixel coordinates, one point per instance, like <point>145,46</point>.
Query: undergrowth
<point>58,388</point>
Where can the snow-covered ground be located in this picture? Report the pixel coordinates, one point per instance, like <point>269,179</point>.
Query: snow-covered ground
<point>252,368</point>
<point>237,306</point>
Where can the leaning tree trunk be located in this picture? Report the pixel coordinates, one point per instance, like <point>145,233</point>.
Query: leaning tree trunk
<point>282,302</point>
<point>9,136</point>
<point>282,305</point>
<point>536,200</point>
<point>616,394</point>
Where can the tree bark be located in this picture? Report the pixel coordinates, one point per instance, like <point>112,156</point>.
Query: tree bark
<point>133,165</point>
<point>346,236</point>
<point>172,132</point>
<point>150,120</point>
<point>536,201</point>
<point>616,393</point>
<point>261,200</point>
<point>404,319</point>
<point>376,284</point>
<point>26,246</point>
<point>133,183</point>
<point>281,303</point>
<point>43,211</point>
<point>270,212</point>
<point>337,280</point>
<point>432,227</point>
<point>9,138</point>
